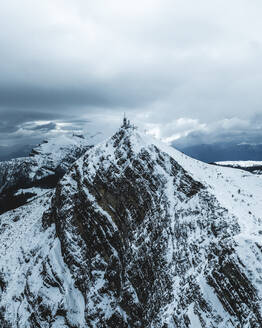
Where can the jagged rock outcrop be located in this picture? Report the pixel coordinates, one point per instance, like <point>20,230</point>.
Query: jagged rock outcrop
<point>136,235</point>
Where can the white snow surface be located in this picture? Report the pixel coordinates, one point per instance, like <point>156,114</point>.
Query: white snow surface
<point>56,148</point>
<point>24,250</point>
<point>240,163</point>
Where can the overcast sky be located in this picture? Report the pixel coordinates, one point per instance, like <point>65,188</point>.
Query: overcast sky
<point>186,71</point>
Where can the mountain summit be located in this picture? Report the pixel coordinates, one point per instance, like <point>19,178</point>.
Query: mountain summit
<point>136,235</point>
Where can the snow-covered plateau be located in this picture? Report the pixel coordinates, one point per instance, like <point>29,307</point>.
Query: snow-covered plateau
<point>240,163</point>
<point>135,234</point>
<point>250,166</point>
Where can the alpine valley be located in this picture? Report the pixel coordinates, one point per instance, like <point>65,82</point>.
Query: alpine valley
<point>128,233</point>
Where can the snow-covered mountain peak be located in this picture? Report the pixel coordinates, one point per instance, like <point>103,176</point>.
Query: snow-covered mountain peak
<point>133,214</point>
<point>137,235</point>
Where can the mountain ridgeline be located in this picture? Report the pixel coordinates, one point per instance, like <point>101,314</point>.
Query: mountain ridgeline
<point>43,168</point>
<point>137,235</point>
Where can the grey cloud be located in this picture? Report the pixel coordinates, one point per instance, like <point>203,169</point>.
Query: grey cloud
<point>6,127</point>
<point>86,62</point>
<point>225,133</point>
<point>11,121</point>
<point>127,90</point>
<point>49,97</point>
<point>14,117</point>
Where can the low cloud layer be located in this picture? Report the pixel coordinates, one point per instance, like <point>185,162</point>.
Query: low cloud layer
<point>187,72</point>
<point>189,132</point>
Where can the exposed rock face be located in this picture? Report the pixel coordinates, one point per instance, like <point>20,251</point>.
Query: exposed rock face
<point>137,235</point>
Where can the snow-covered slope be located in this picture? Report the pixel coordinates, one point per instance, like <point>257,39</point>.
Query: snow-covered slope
<point>43,168</point>
<point>35,284</point>
<point>137,235</point>
<point>44,160</point>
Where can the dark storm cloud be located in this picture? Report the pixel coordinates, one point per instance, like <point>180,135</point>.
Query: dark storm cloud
<point>15,117</point>
<point>127,91</point>
<point>50,97</point>
<point>177,68</point>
